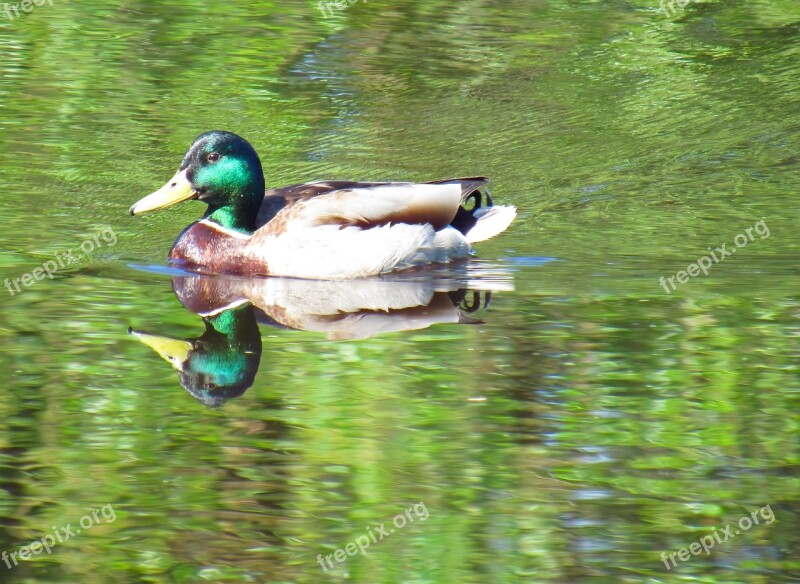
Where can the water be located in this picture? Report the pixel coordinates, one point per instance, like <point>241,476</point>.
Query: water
<point>578,427</point>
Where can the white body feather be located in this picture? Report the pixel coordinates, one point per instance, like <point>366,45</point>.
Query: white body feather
<point>331,253</point>
<point>350,234</point>
<point>353,309</point>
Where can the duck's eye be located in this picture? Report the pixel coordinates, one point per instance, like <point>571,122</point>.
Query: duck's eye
<point>213,157</point>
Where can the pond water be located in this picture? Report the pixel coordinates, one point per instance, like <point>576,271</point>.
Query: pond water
<point>598,390</point>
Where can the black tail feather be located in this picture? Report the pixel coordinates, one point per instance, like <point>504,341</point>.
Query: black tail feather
<point>472,199</point>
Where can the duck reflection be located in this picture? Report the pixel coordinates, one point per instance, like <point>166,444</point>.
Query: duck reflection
<point>222,363</point>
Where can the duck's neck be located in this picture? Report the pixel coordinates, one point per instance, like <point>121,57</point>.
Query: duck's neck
<point>236,324</point>
<point>241,217</point>
<point>238,208</point>
<point>231,340</point>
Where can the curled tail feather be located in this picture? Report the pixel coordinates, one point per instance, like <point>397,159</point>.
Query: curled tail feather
<point>478,219</point>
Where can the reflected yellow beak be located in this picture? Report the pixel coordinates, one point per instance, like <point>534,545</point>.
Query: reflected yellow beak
<point>173,351</point>
<point>176,190</point>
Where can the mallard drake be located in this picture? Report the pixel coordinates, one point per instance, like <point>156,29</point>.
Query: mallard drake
<point>223,362</point>
<point>321,230</point>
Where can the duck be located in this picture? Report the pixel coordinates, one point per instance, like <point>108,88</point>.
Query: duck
<point>222,363</point>
<point>324,230</point>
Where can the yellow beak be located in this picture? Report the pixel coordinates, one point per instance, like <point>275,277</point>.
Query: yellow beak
<point>173,351</point>
<point>176,190</point>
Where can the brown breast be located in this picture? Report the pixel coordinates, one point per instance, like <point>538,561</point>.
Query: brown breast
<point>208,248</point>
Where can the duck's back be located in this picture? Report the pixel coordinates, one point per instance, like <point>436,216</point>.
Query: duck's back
<point>364,231</point>
<point>278,198</point>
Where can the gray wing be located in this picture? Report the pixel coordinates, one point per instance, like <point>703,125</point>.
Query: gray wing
<point>278,198</point>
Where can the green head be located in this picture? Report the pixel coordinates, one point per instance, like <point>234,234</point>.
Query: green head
<point>225,359</point>
<point>222,170</point>
<point>219,365</point>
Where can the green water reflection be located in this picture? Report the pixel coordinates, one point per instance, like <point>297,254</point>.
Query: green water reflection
<point>590,422</point>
